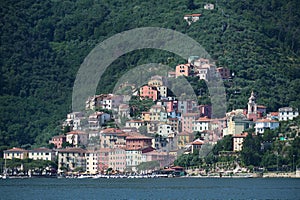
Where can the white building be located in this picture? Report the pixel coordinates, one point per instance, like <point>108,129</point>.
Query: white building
<point>262,124</point>
<point>287,113</point>
<point>42,154</point>
<point>209,6</point>
<point>92,162</point>
<point>238,140</point>
<point>77,138</point>
<point>97,120</point>
<point>201,124</point>
<point>135,124</point>
<point>133,159</point>
<point>165,130</point>
<point>74,120</point>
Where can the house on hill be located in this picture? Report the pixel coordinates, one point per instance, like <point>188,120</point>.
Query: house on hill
<point>287,113</point>
<point>191,18</point>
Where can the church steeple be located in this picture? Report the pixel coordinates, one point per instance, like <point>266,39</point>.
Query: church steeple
<point>252,107</point>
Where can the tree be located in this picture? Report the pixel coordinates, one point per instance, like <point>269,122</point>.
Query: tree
<point>225,144</point>
<point>251,152</point>
<point>191,5</point>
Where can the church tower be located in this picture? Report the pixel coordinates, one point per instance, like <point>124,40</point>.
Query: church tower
<point>252,107</point>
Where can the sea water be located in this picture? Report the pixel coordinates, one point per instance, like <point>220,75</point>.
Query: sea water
<point>155,188</point>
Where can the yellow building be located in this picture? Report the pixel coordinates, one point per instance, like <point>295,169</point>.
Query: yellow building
<point>15,153</point>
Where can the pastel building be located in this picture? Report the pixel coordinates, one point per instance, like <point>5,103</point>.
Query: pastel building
<point>74,120</point>
<point>97,120</point>
<point>42,154</point>
<point>92,166</point>
<point>138,142</point>
<point>117,159</point>
<point>77,138</point>
<point>112,137</point>
<point>183,70</point>
<point>15,152</point>
<point>70,159</point>
<point>287,113</point>
<point>133,159</point>
<point>201,124</point>
<point>238,140</point>
<point>187,121</point>
<point>135,124</point>
<point>103,159</point>
<point>58,141</point>
<point>183,138</point>
<point>262,124</point>
<point>165,130</point>
<point>150,92</point>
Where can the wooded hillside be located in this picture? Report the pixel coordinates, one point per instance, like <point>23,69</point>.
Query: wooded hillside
<point>43,43</point>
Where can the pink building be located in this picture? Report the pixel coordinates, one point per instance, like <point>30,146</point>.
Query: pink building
<point>149,91</point>
<point>58,141</point>
<point>117,159</point>
<point>103,159</point>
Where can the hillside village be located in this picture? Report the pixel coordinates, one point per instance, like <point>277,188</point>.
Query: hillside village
<point>106,137</point>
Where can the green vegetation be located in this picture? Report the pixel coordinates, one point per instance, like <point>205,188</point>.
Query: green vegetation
<point>36,167</point>
<point>43,44</point>
<point>277,149</point>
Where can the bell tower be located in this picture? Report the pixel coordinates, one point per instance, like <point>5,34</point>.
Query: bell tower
<point>252,107</point>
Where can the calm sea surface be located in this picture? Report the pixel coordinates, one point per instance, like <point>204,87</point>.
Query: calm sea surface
<point>164,188</point>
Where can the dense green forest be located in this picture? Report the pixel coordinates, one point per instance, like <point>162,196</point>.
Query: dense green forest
<point>43,43</point>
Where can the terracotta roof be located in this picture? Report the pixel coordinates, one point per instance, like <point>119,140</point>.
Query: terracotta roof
<point>72,150</point>
<point>198,142</point>
<point>76,132</point>
<point>41,149</point>
<point>274,113</point>
<point>111,131</point>
<point>261,106</point>
<point>266,120</point>
<point>137,137</point>
<point>204,119</point>
<point>242,135</point>
<point>16,149</point>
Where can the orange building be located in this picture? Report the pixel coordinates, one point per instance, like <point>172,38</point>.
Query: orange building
<point>182,70</point>
<point>149,91</point>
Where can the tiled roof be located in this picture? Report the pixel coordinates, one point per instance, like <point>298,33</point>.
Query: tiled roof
<point>16,149</point>
<point>266,120</point>
<point>242,135</point>
<point>198,142</point>
<point>41,149</point>
<point>76,132</point>
<point>204,119</point>
<point>72,150</point>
